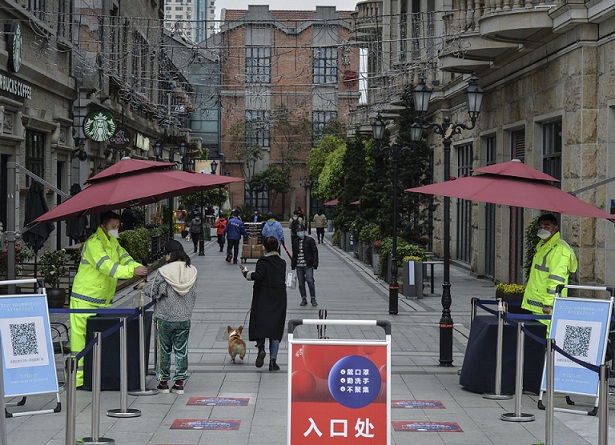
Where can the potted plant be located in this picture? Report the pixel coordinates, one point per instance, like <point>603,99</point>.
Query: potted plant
<point>510,292</point>
<point>53,265</point>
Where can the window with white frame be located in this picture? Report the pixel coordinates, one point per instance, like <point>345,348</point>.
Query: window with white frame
<point>257,128</point>
<point>325,65</point>
<point>258,64</point>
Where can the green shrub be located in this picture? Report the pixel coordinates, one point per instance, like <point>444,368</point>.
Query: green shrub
<point>404,250</point>
<point>370,232</point>
<point>136,243</point>
<point>335,239</point>
<point>53,264</point>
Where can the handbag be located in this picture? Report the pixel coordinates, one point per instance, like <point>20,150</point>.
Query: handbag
<point>291,280</point>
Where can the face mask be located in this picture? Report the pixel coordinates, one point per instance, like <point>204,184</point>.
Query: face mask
<point>295,217</point>
<point>115,233</point>
<point>543,234</point>
<point>300,234</point>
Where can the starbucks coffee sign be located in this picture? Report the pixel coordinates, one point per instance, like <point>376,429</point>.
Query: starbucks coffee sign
<point>121,138</point>
<point>99,126</point>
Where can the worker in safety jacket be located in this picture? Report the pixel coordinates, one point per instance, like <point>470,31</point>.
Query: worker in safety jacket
<point>552,264</point>
<point>103,262</point>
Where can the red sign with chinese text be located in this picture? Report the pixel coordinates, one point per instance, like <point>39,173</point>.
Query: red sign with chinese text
<point>338,393</point>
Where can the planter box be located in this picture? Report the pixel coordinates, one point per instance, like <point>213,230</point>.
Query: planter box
<point>413,279</point>
<point>349,246</point>
<point>367,253</point>
<point>342,240</point>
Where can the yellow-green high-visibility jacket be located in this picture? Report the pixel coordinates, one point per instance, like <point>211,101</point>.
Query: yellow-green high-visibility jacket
<point>551,266</point>
<point>103,262</point>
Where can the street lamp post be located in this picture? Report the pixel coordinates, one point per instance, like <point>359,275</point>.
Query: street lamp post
<point>307,183</point>
<point>214,167</point>
<point>474,96</point>
<point>395,152</point>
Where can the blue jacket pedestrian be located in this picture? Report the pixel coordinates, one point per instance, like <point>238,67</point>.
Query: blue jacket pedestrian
<point>273,228</point>
<point>234,229</point>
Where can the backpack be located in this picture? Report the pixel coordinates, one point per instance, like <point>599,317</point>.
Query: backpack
<point>195,225</point>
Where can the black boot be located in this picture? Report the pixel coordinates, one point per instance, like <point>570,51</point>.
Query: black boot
<point>273,366</point>
<point>260,358</point>
<point>303,302</point>
<point>314,302</point>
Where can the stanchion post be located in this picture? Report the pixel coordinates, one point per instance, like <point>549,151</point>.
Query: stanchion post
<point>155,337</point>
<point>95,439</point>
<point>143,391</point>
<point>550,392</point>
<point>603,410</point>
<point>123,411</point>
<point>518,416</point>
<point>71,367</point>
<point>497,395</point>
<point>474,303</point>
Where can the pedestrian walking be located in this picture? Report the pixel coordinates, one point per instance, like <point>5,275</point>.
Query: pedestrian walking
<point>295,221</point>
<point>220,224</point>
<point>320,222</point>
<point>174,289</point>
<point>196,230</point>
<point>233,231</point>
<point>305,261</point>
<point>273,228</point>
<point>269,302</point>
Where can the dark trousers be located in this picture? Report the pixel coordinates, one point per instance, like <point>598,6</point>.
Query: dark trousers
<point>195,240</point>
<point>221,241</point>
<point>233,244</point>
<point>320,234</point>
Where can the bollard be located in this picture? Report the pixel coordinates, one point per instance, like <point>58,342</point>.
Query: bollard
<point>143,391</point>
<point>123,411</point>
<point>71,367</point>
<point>550,391</point>
<point>497,395</point>
<point>518,416</point>
<point>603,410</point>
<point>95,439</point>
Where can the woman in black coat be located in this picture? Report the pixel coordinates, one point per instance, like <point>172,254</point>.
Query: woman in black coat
<point>268,310</point>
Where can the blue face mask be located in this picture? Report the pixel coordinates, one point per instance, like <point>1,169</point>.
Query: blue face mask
<point>300,234</point>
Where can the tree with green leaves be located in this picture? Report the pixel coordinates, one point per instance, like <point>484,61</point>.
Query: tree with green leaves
<point>243,147</point>
<point>272,179</point>
<point>216,197</point>
<point>292,136</point>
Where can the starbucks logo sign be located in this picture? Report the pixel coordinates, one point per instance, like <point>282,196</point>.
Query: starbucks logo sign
<point>99,126</point>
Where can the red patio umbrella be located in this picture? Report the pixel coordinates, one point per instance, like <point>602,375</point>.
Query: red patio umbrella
<point>331,203</point>
<point>126,189</point>
<point>129,166</point>
<point>530,190</point>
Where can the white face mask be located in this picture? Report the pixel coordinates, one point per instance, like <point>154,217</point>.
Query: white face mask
<point>300,234</point>
<point>115,233</point>
<point>543,234</point>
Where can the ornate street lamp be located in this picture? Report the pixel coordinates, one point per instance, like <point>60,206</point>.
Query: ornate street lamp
<point>157,149</point>
<point>395,152</point>
<point>474,96</point>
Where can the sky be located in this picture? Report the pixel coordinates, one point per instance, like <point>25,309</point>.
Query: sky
<point>305,5</point>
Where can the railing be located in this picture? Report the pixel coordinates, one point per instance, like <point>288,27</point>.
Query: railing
<point>492,6</point>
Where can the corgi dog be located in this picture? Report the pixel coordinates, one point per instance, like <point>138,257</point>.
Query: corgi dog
<point>236,345</point>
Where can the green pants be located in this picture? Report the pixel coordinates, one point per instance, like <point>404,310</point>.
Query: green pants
<point>172,337</point>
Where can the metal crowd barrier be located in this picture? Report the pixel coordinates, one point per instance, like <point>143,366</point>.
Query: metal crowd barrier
<point>96,347</point>
<point>518,416</point>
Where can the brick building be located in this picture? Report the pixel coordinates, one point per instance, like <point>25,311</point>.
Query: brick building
<point>285,74</point>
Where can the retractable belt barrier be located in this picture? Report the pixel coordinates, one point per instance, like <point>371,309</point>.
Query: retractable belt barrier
<point>126,315</point>
<point>518,320</point>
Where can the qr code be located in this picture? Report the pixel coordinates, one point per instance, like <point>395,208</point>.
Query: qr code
<point>23,339</point>
<point>576,340</point>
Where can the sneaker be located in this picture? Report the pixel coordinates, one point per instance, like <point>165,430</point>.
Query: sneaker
<point>163,388</point>
<point>314,302</point>
<point>303,302</point>
<point>228,258</point>
<point>260,358</point>
<point>178,387</point>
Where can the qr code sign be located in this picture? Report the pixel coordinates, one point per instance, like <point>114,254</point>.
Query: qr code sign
<point>23,338</point>
<point>576,340</point>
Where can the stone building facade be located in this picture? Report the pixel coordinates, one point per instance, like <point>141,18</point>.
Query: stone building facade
<point>548,71</point>
<point>295,61</point>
